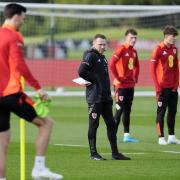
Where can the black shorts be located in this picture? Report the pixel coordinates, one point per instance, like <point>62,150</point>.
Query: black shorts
<point>124,96</point>
<point>18,103</point>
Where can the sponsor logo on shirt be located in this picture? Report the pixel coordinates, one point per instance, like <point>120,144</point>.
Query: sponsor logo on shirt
<point>127,54</point>
<point>99,60</point>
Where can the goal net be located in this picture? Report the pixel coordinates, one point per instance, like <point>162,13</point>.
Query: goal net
<point>57,33</point>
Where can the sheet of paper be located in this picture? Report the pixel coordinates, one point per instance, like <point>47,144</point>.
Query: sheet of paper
<point>81,81</point>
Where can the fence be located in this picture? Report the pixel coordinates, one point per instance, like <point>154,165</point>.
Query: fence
<point>60,73</point>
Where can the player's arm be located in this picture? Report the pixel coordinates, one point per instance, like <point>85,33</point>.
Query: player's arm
<point>176,77</point>
<point>16,53</point>
<point>136,68</point>
<point>153,66</point>
<point>114,59</point>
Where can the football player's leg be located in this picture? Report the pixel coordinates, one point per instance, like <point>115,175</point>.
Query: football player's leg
<point>119,94</point>
<point>172,109</point>
<point>94,114</point>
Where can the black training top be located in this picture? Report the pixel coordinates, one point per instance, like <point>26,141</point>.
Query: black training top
<point>94,68</point>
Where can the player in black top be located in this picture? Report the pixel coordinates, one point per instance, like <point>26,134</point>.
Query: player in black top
<point>94,68</point>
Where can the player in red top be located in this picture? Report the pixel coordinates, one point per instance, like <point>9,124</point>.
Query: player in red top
<point>165,73</point>
<point>124,65</point>
<point>12,99</point>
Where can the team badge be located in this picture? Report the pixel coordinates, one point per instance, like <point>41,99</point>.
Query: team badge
<point>121,98</point>
<point>159,103</point>
<point>174,51</point>
<point>99,60</point>
<point>94,115</point>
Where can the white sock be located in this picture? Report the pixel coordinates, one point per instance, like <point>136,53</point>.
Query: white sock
<point>39,162</point>
<point>3,178</point>
<point>171,136</point>
<point>126,134</point>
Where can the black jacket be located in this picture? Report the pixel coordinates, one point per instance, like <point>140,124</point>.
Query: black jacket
<point>94,68</point>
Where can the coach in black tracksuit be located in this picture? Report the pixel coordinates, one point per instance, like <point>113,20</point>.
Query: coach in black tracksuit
<point>94,68</point>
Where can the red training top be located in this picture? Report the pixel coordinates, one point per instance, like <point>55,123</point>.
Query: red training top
<point>12,64</point>
<point>164,67</point>
<point>124,65</point>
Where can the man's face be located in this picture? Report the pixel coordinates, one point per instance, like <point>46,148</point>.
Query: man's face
<point>131,39</point>
<point>170,39</point>
<point>19,20</point>
<point>100,45</point>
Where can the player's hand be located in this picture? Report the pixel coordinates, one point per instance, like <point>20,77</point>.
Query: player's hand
<point>135,79</point>
<point>88,84</point>
<point>43,94</point>
<point>122,79</point>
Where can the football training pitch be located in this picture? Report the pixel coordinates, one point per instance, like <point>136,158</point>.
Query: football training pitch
<point>68,152</point>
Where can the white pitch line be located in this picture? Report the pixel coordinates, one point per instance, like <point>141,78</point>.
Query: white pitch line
<point>71,145</point>
<point>173,152</point>
<point>137,153</point>
<point>85,146</point>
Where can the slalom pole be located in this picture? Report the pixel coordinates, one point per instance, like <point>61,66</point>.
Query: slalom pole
<point>22,142</point>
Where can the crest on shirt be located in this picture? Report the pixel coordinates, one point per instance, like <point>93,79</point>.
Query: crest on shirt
<point>94,115</point>
<point>127,54</point>
<point>159,103</point>
<point>174,51</point>
<point>121,98</point>
<point>99,60</point>
<point>164,52</point>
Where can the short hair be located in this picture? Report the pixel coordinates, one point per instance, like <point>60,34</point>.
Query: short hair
<point>99,36</point>
<point>170,30</point>
<point>131,31</point>
<point>12,9</point>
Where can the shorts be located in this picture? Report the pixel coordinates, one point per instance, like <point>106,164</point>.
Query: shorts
<point>18,103</point>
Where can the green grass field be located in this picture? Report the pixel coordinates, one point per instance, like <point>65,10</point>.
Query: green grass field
<point>71,126</point>
<point>110,33</point>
